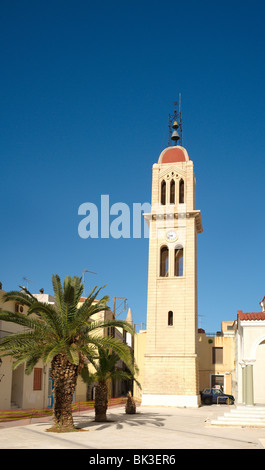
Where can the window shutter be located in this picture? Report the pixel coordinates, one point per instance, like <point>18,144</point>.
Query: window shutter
<point>217,355</point>
<point>37,378</point>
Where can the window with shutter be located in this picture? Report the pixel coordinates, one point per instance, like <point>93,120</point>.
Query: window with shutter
<point>37,379</point>
<point>217,356</point>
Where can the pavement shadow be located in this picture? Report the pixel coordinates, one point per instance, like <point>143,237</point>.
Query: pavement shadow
<point>120,420</point>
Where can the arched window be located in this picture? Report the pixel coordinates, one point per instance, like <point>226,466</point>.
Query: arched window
<point>164,261</point>
<point>181,191</point>
<point>163,193</point>
<point>178,262</point>
<point>172,192</point>
<point>170,318</point>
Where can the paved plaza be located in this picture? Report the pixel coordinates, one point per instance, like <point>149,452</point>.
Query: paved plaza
<point>149,428</point>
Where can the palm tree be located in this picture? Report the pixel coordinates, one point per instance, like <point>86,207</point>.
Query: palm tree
<point>105,370</point>
<point>63,334</point>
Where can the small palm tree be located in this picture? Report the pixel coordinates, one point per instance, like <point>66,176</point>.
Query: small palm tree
<point>63,334</point>
<point>105,370</point>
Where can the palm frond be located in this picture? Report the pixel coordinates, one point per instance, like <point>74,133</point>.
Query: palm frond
<point>86,375</point>
<point>84,314</point>
<point>17,296</point>
<point>73,355</point>
<point>32,361</point>
<point>58,295</point>
<point>48,314</point>
<point>89,307</point>
<point>50,350</point>
<point>73,289</point>
<point>116,345</point>
<point>20,319</point>
<point>98,325</point>
<point>17,344</point>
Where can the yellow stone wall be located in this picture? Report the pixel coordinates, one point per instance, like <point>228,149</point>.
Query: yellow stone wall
<point>171,366</point>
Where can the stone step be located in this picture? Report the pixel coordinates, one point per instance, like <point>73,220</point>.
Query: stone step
<point>236,422</point>
<point>247,409</point>
<point>242,416</point>
<point>244,413</point>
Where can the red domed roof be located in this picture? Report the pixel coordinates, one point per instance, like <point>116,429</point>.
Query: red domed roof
<point>174,154</point>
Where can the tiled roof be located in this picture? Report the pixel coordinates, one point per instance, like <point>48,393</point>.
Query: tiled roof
<point>250,316</point>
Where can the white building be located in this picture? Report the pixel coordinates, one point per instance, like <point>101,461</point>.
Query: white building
<point>250,355</point>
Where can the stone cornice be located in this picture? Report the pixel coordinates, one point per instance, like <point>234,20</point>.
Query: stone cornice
<point>156,215</point>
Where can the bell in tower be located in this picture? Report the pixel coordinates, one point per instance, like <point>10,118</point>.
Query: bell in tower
<point>175,129</point>
<point>175,136</point>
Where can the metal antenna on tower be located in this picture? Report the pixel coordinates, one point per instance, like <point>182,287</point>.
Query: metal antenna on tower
<point>180,120</point>
<point>169,129</point>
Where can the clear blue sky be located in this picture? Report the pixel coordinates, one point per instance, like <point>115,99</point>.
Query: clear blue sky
<point>86,89</point>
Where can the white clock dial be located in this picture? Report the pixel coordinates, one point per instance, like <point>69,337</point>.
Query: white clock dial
<point>171,235</point>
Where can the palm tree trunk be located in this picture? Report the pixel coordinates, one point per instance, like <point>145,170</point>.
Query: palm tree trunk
<point>64,374</point>
<point>101,402</point>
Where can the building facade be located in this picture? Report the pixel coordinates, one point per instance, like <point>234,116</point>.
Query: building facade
<point>250,356</point>
<point>171,356</point>
<point>18,390</point>
<point>216,355</point>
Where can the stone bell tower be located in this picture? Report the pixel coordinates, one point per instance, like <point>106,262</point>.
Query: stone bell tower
<point>171,363</point>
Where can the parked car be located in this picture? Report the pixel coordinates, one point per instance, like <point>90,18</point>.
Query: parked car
<point>215,395</point>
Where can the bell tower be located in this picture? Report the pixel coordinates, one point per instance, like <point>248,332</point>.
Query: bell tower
<point>171,364</point>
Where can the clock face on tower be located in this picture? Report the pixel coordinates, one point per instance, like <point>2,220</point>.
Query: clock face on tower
<point>172,235</point>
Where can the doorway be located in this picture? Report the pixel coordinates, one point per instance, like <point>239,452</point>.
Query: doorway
<point>217,381</point>
<point>17,387</point>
